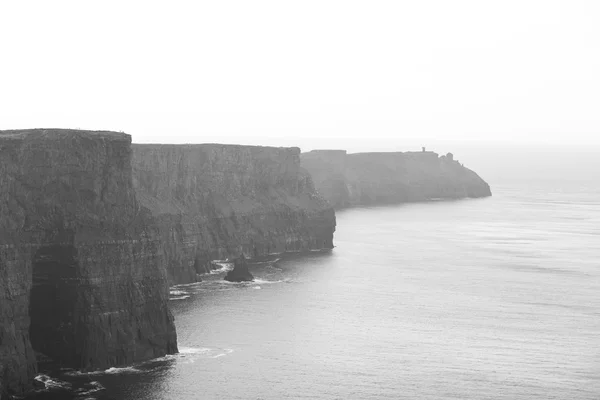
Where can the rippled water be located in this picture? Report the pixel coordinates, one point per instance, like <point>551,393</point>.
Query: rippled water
<point>495,298</point>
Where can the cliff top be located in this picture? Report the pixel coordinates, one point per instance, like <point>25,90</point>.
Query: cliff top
<point>370,153</point>
<point>57,133</point>
<point>212,145</point>
<point>401,153</point>
<point>326,151</point>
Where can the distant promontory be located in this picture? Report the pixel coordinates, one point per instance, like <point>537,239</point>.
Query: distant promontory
<point>347,180</point>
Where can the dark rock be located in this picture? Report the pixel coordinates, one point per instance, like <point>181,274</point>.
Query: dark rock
<point>240,272</point>
<point>214,202</point>
<point>82,275</point>
<point>387,178</point>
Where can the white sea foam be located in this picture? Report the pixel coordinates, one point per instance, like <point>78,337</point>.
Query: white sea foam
<point>224,282</point>
<point>94,387</point>
<point>183,352</point>
<point>265,282</point>
<point>180,297</point>
<point>251,283</point>
<point>184,285</point>
<point>189,355</point>
<point>76,373</point>
<point>224,266</point>
<point>110,371</point>
<point>52,383</point>
<point>193,350</point>
<point>122,370</point>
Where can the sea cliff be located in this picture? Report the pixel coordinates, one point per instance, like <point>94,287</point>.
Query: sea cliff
<point>385,178</point>
<point>216,201</point>
<point>93,229</point>
<point>82,277</point>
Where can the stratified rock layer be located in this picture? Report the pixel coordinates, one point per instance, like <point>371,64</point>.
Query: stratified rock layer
<point>82,276</point>
<point>216,201</point>
<point>386,178</point>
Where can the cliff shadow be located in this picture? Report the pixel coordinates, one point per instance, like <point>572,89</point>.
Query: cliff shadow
<point>53,301</point>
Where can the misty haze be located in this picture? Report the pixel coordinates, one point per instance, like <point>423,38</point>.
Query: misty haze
<point>300,200</point>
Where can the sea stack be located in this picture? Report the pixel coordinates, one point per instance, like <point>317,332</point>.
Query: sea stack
<point>240,272</point>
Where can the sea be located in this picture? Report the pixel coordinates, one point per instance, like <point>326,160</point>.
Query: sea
<point>494,298</point>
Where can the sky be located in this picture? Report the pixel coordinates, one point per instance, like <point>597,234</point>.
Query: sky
<point>361,75</point>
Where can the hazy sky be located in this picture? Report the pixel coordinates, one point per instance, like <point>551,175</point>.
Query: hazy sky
<point>370,75</point>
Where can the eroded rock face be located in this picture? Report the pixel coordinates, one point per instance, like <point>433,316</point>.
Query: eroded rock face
<point>386,178</point>
<point>87,245</point>
<point>240,271</point>
<point>221,201</point>
<point>80,261</point>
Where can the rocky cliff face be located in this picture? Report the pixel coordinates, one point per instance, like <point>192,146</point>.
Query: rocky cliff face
<point>88,243</point>
<point>385,178</point>
<point>221,201</point>
<point>82,277</point>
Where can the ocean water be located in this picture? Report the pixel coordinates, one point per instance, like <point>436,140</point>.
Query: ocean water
<point>495,298</point>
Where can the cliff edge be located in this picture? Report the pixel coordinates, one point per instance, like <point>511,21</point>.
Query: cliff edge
<point>82,276</point>
<point>386,178</point>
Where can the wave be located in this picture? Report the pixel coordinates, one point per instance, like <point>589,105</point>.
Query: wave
<point>139,368</point>
<point>186,355</point>
<point>179,297</point>
<point>224,266</point>
<point>52,383</point>
<point>177,292</point>
<point>109,371</point>
<point>122,370</point>
<point>184,285</point>
<point>266,282</point>
<point>95,386</point>
<point>193,350</point>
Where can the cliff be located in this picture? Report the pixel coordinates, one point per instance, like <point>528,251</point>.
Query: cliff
<point>387,178</point>
<point>92,230</point>
<point>221,201</point>
<point>82,277</point>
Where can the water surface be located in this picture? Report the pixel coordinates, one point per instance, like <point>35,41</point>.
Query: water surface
<point>494,298</point>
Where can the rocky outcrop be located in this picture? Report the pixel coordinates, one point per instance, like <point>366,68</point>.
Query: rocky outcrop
<point>386,178</point>
<point>240,271</point>
<point>216,201</point>
<point>82,276</point>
